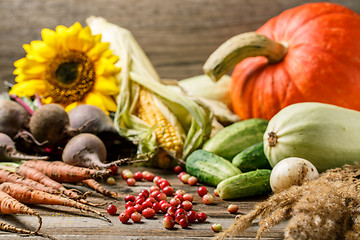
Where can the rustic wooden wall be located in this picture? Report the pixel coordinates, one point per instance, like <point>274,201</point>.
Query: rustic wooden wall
<point>177,35</point>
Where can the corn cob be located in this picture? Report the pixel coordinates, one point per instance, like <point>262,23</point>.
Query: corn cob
<point>190,121</point>
<point>167,135</point>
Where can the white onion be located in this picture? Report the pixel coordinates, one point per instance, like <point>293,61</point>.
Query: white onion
<point>291,171</point>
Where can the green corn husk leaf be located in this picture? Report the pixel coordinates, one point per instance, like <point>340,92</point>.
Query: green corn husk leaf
<point>136,71</point>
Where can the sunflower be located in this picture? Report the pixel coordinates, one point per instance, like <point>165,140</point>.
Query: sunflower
<point>70,66</point>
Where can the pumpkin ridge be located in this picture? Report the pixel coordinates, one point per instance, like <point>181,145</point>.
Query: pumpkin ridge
<point>332,9</point>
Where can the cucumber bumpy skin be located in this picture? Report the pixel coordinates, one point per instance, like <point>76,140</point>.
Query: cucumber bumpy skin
<point>326,135</point>
<point>236,137</point>
<point>209,168</point>
<point>249,184</point>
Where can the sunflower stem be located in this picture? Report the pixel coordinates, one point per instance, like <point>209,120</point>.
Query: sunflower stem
<point>22,103</point>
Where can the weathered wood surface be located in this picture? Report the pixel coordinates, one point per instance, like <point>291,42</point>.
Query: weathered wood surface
<point>68,223</point>
<point>178,36</point>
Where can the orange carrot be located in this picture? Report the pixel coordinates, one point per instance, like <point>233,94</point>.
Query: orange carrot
<point>37,175</point>
<point>26,194</point>
<point>9,205</point>
<point>63,172</point>
<point>7,176</point>
<point>99,188</point>
<point>9,228</point>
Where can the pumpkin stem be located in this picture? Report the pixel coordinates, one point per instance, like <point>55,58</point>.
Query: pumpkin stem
<point>239,47</point>
<point>272,139</point>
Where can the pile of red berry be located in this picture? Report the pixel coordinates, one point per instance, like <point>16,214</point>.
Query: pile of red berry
<point>178,209</point>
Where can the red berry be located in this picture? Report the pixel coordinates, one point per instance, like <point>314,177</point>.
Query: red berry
<point>136,217</point>
<point>139,200</point>
<point>178,169</point>
<point>192,216</point>
<point>156,207</point>
<point>164,184</point>
<point>180,210</point>
<point>192,181</point>
<point>187,205</point>
<point>171,209</point>
<point>126,173</point>
<point>114,170</point>
<point>179,216</point>
<point>156,180</point>
<point>161,196</point>
<point>184,223</point>
<point>148,213</point>
<point>131,181</point>
<point>124,217</point>
<point>138,176</point>
<point>172,215</point>
<point>155,193</point>
<point>208,198</point>
<point>111,209</point>
<point>164,207</point>
<point>138,208</point>
<point>201,217</point>
<point>130,210</point>
<point>151,199</point>
<point>188,197</point>
<point>180,174</point>
<point>129,204</point>
<point>180,192</point>
<point>174,202</point>
<point>146,204</point>
<point>149,177</point>
<point>233,208</point>
<point>185,177</point>
<point>216,227</point>
<point>180,197</point>
<point>130,198</point>
<point>168,222</point>
<point>154,188</point>
<point>216,192</point>
<point>145,193</point>
<point>202,191</point>
<point>163,201</point>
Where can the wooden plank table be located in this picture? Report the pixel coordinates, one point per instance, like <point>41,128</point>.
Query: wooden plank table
<point>68,223</point>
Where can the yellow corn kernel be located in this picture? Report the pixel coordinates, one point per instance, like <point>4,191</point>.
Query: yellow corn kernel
<point>165,132</point>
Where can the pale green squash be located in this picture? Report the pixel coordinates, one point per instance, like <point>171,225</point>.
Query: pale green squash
<point>326,135</point>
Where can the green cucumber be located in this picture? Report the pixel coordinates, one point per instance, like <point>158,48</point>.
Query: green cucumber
<point>234,138</point>
<point>249,184</point>
<point>209,168</point>
<point>251,158</point>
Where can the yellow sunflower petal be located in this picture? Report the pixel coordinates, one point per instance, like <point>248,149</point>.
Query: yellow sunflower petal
<point>109,102</point>
<point>28,88</point>
<point>94,99</point>
<point>105,67</point>
<point>106,87</point>
<point>41,52</point>
<point>72,106</point>
<point>49,36</point>
<point>72,39</point>
<point>95,52</point>
<point>27,66</point>
<point>87,39</point>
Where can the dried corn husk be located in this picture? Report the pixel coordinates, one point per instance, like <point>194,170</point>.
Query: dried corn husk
<point>137,72</point>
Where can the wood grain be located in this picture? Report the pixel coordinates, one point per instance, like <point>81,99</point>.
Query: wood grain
<point>177,35</point>
<point>69,223</point>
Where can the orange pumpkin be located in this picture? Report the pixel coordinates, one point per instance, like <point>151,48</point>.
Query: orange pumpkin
<point>320,61</point>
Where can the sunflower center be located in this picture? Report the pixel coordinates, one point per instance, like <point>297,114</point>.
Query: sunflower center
<point>70,76</point>
<point>67,73</point>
